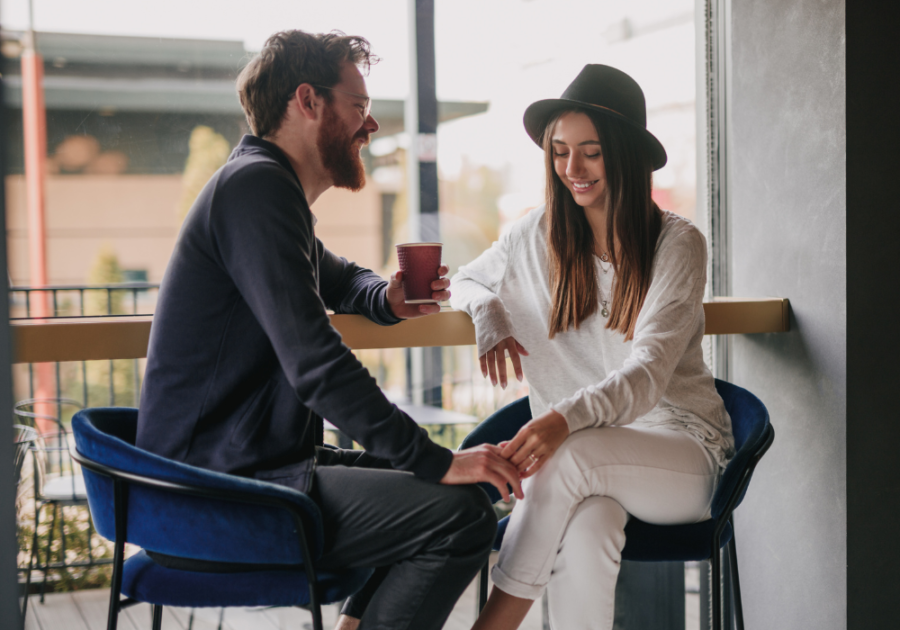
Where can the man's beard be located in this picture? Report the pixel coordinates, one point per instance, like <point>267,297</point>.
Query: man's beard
<point>340,157</point>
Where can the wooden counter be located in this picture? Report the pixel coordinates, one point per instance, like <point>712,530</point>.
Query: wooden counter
<point>127,337</point>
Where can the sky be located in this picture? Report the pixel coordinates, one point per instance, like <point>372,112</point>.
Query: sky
<point>507,52</point>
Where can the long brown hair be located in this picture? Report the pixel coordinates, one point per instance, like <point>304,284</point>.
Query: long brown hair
<point>633,219</point>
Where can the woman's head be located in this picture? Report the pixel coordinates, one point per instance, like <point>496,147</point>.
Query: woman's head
<point>599,163</point>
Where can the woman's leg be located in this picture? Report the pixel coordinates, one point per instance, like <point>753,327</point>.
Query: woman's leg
<point>659,475</point>
<point>588,559</point>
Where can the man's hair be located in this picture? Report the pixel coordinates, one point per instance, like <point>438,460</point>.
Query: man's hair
<point>290,58</point>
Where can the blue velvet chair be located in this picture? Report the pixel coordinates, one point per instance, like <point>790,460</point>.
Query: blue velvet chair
<point>207,539</point>
<point>753,434</point>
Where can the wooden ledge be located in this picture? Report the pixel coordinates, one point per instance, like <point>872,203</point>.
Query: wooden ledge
<point>127,337</point>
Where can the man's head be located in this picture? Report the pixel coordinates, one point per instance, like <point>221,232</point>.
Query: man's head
<point>288,59</point>
<point>316,80</point>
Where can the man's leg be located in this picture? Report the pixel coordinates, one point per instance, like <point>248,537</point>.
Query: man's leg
<point>434,538</point>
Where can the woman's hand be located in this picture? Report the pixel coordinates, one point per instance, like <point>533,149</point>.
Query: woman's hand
<point>493,361</point>
<point>536,442</point>
<point>408,311</point>
<point>484,463</point>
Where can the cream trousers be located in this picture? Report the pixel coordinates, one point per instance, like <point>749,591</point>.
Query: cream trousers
<point>567,535</point>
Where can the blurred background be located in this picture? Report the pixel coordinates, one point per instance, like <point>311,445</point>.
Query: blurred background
<point>141,110</point>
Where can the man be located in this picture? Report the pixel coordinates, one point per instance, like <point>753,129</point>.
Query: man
<point>243,361</point>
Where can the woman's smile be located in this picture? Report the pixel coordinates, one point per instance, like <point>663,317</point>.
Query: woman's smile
<point>583,187</point>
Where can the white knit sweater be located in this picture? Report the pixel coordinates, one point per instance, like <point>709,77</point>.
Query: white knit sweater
<point>592,376</point>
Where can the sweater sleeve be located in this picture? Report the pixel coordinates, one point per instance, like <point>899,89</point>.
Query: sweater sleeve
<point>671,315</point>
<point>474,289</point>
<point>262,230</point>
<point>348,288</point>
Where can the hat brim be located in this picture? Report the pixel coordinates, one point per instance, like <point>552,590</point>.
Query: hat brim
<point>539,114</point>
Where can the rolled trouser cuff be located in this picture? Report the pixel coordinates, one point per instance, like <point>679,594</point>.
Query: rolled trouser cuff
<point>515,588</point>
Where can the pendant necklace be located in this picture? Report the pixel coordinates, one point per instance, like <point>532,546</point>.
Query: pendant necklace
<point>604,303</point>
<point>604,259</point>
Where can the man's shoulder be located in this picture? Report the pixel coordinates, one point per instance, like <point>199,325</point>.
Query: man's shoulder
<point>259,179</point>
<point>256,166</point>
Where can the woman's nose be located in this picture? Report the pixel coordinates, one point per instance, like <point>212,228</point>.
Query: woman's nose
<point>574,166</point>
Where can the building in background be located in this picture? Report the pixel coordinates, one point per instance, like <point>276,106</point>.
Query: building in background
<point>121,115</point>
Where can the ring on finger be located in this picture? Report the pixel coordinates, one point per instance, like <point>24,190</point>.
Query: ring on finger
<point>533,459</point>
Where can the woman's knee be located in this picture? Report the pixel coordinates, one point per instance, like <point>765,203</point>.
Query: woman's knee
<point>598,522</point>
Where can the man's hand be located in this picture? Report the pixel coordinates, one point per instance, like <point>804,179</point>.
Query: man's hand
<point>409,311</point>
<point>536,442</point>
<point>494,360</point>
<point>484,463</point>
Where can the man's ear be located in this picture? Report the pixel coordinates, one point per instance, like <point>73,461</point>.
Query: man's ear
<point>307,102</point>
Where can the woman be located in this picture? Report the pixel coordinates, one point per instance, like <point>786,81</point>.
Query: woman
<point>597,297</point>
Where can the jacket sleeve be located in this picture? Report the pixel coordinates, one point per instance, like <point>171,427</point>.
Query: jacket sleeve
<point>672,313</point>
<point>348,288</point>
<point>475,288</point>
<point>261,227</point>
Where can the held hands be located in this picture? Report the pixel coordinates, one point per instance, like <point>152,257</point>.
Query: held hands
<point>484,463</point>
<point>493,361</point>
<point>535,443</point>
<point>409,311</point>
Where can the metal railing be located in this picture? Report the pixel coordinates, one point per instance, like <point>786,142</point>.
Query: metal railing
<point>126,299</point>
<point>109,294</point>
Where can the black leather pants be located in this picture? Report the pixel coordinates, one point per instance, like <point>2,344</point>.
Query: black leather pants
<point>428,540</point>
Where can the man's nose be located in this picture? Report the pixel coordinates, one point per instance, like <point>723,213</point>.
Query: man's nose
<point>371,125</point>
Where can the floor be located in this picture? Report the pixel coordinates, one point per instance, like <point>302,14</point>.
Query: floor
<point>87,610</point>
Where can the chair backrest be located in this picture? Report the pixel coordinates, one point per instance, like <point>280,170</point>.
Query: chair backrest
<point>169,521</point>
<point>46,416</point>
<point>24,438</point>
<point>753,434</point>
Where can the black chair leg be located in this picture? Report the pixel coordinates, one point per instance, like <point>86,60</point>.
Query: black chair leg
<point>735,585</point>
<point>715,587</point>
<point>47,553</point>
<point>157,617</point>
<point>316,611</point>
<point>35,557</point>
<point>221,618</point>
<point>482,588</point>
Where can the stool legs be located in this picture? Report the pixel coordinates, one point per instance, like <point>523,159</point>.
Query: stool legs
<point>482,589</point>
<point>735,584</point>
<point>715,588</point>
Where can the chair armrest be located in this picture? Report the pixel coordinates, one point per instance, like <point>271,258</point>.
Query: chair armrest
<point>300,514</point>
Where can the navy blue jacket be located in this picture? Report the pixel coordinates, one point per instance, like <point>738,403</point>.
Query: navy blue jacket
<point>243,361</point>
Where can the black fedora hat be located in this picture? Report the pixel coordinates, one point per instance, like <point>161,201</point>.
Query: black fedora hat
<point>605,90</point>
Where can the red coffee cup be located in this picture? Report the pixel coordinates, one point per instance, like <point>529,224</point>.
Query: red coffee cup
<point>419,263</point>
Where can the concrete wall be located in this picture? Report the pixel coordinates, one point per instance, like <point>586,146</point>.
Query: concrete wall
<point>788,213</point>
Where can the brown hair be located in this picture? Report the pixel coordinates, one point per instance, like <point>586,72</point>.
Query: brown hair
<point>290,58</point>
<point>633,219</point>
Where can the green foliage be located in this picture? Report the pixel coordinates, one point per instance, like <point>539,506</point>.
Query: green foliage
<point>208,152</point>
<point>107,270</point>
